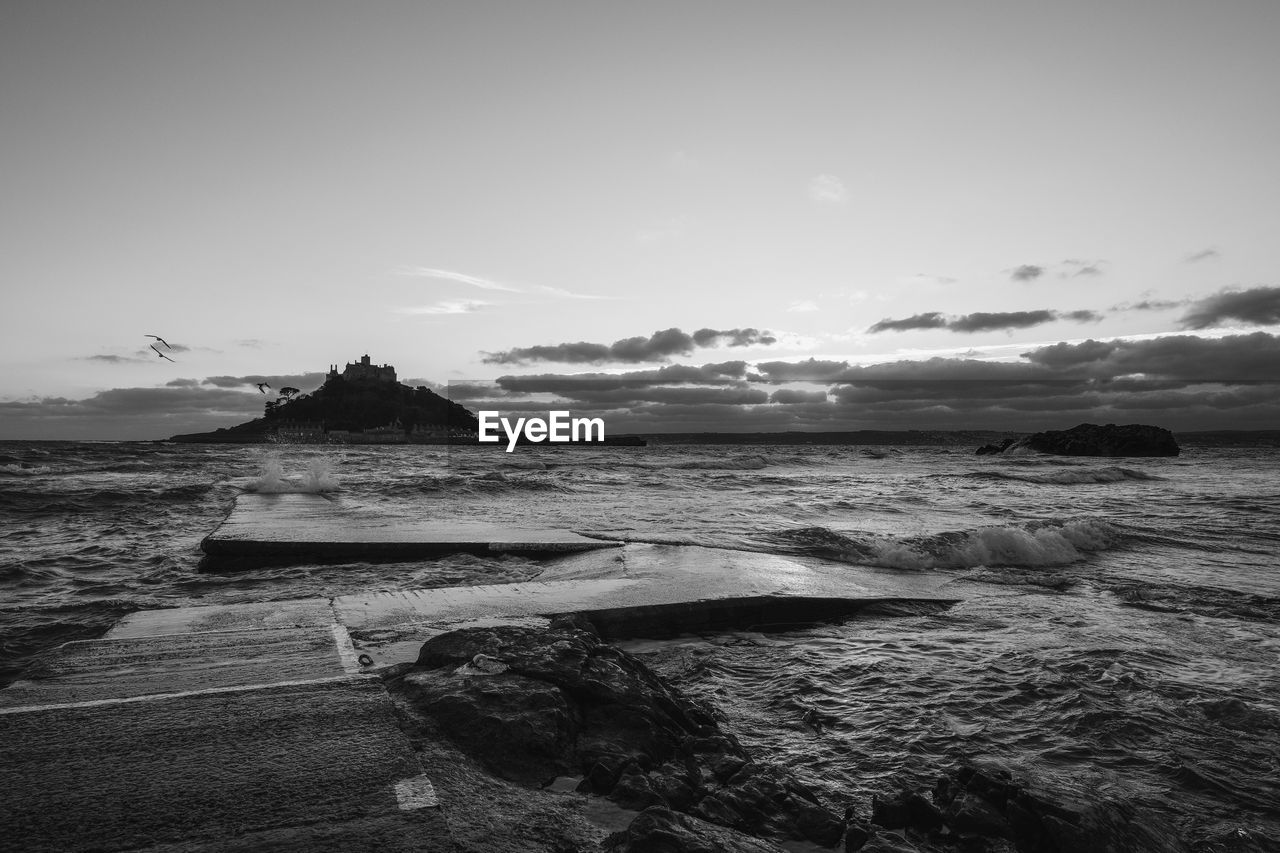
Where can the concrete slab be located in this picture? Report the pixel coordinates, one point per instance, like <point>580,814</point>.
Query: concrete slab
<point>294,613</point>
<point>640,591</point>
<point>96,670</point>
<point>320,766</point>
<point>287,529</point>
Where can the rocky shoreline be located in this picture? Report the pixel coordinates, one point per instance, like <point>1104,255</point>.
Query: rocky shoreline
<point>549,739</point>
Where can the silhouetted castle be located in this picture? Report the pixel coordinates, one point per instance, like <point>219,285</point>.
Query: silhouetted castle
<point>363,371</point>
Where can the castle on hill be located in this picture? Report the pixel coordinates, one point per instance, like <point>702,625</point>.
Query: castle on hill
<point>363,371</point>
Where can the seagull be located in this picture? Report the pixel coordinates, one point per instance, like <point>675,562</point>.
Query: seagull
<point>162,355</point>
<point>262,385</point>
<point>160,339</point>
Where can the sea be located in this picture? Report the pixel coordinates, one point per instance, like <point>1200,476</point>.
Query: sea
<point>1117,635</point>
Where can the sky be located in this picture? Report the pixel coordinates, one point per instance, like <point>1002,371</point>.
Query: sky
<point>689,216</point>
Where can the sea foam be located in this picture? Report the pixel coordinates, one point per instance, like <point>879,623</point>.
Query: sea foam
<point>318,478</point>
<point>1057,543</point>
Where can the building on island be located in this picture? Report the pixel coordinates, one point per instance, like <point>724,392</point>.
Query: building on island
<point>363,371</point>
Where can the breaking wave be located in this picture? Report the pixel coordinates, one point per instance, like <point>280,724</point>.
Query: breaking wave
<point>17,469</point>
<point>1037,544</point>
<point>272,481</point>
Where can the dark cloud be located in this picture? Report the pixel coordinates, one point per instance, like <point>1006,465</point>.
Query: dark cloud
<point>1026,272</point>
<point>129,413</point>
<point>305,381</point>
<point>812,369</point>
<point>1258,306</point>
<point>659,346</point>
<point>1234,358</point>
<point>1149,305</point>
<point>720,375</point>
<point>1183,382</point>
<point>1180,381</point>
<point>733,337</point>
<point>985,321</point>
<point>1082,316</point>
<point>792,396</point>
<point>1203,255</point>
<point>932,320</point>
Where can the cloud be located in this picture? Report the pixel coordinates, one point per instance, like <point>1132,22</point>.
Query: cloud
<point>1026,272</point>
<point>1209,254</point>
<point>129,413</point>
<point>794,396</point>
<point>811,369</point>
<point>1083,316</point>
<point>733,337</point>
<point>931,320</point>
<point>1183,382</point>
<point>304,381</point>
<point>483,284</point>
<point>1233,358</point>
<point>117,359</point>
<point>461,278</point>
<point>1149,305</point>
<point>803,306</point>
<point>657,347</point>
<point>1258,306</point>
<point>983,321</point>
<point>828,189</point>
<point>448,306</point>
<point>1179,381</point>
<point>1079,268</point>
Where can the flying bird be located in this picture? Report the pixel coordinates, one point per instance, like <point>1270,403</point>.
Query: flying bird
<point>261,386</point>
<point>162,355</point>
<point>160,339</point>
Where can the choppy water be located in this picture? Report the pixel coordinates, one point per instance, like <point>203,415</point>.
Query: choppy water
<point>1119,634</point>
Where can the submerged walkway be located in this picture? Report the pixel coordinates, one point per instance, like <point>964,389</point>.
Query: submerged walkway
<point>294,529</point>
<point>262,726</point>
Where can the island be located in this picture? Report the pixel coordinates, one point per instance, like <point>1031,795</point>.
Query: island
<point>364,403</point>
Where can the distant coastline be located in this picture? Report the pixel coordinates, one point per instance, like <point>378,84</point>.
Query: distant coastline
<point>893,438</point>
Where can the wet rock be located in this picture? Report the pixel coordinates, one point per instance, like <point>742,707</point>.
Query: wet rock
<point>661,830</point>
<point>988,449</point>
<point>769,801</point>
<point>986,810</point>
<point>522,730</point>
<point>857,833</point>
<point>890,842</point>
<point>559,702</point>
<point>1094,440</point>
<point>890,813</point>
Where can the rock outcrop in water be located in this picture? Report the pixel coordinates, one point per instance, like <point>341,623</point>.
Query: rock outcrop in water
<point>975,809</point>
<point>531,705</point>
<point>558,709</point>
<point>1093,440</point>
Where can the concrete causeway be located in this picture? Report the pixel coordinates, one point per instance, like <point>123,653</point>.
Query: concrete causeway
<point>264,726</point>
<point>296,529</point>
<point>247,738</point>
